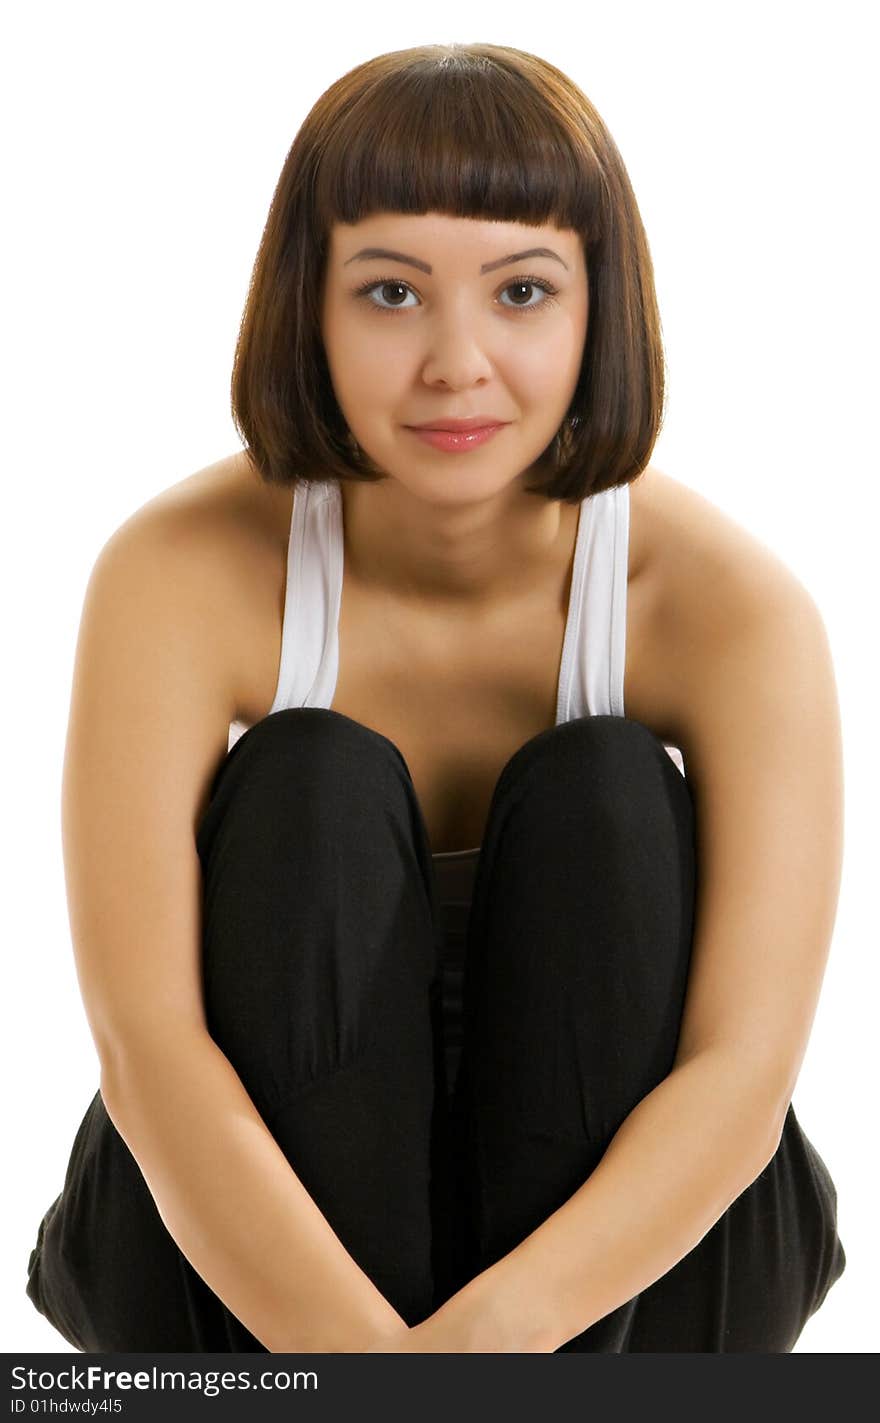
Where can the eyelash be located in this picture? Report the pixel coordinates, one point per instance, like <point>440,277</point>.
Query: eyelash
<point>544,286</point>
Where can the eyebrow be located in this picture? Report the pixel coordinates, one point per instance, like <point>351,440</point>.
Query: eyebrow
<point>366,253</point>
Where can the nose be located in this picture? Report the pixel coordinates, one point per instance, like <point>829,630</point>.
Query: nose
<point>457,352</point>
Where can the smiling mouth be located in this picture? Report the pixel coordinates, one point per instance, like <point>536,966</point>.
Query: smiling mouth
<point>453,441</point>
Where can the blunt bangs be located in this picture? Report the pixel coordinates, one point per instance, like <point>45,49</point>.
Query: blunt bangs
<point>461,139</point>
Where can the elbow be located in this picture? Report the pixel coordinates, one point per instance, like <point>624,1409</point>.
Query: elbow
<point>115,1088</point>
<point>750,1102</point>
<point>765,1117</point>
<point>146,1062</point>
<point>776,1126</point>
<point>768,1096</point>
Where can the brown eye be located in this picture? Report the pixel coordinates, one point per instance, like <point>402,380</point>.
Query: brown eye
<point>389,288</point>
<point>392,287</point>
<point>532,284</point>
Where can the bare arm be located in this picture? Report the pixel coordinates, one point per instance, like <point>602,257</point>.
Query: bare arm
<point>148,726</point>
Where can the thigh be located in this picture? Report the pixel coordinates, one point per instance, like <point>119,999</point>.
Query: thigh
<point>318,904</point>
<point>578,951</point>
<point>321,975</point>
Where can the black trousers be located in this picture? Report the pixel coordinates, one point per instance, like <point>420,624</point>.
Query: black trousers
<point>321,981</point>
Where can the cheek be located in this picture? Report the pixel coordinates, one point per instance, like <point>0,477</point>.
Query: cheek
<point>361,380</point>
<point>542,370</point>
<point>554,366</point>
<point>350,352</point>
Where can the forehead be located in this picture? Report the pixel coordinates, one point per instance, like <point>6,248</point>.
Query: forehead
<point>436,237</point>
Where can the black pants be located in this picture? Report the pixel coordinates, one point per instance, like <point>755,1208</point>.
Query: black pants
<point>321,986</point>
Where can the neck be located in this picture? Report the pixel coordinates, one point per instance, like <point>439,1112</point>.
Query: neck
<point>462,556</point>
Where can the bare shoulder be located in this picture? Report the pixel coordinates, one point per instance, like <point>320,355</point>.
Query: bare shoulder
<point>222,510</point>
<point>701,559</point>
<point>706,580</point>
<point>687,539</point>
<point>223,532</point>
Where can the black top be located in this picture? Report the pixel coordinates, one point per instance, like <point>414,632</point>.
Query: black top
<point>455,874</point>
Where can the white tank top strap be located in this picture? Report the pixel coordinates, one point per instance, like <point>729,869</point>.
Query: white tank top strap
<point>309,644</point>
<point>594,651</point>
<point>591,681</point>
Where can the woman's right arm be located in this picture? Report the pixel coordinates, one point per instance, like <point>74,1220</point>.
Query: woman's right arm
<point>150,709</point>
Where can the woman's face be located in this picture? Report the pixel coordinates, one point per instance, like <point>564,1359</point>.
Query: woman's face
<point>455,320</point>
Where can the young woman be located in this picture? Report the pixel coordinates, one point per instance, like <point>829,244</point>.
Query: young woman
<point>452,801</point>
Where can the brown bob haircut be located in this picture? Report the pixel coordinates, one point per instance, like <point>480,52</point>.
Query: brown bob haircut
<point>471,130</point>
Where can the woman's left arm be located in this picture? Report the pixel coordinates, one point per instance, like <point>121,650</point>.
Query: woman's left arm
<point>752,703</point>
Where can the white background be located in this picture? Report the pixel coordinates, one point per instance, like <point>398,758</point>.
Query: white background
<point>142,148</point>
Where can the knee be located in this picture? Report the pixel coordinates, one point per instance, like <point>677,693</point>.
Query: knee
<point>300,744</point>
<point>603,750</point>
<point>304,762</point>
<point>294,734</point>
<point>613,770</point>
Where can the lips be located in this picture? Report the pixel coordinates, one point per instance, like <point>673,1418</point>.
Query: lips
<point>454,441</point>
